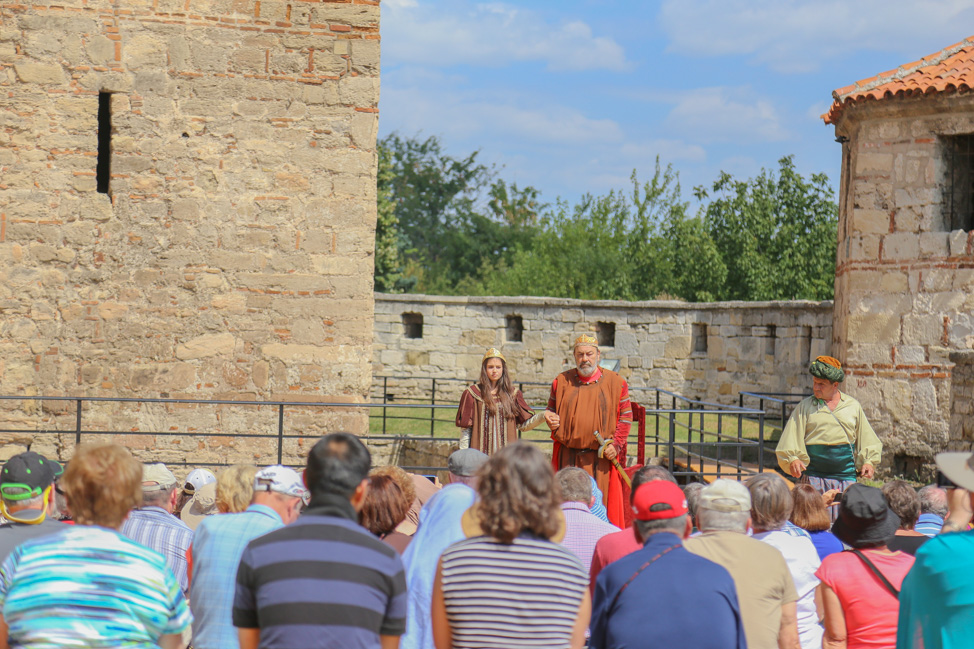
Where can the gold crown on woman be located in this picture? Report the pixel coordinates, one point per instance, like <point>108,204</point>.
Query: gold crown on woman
<point>493,352</point>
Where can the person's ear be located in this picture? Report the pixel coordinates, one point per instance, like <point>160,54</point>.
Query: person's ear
<point>304,478</point>
<point>688,530</point>
<point>750,524</point>
<point>358,498</point>
<point>591,502</point>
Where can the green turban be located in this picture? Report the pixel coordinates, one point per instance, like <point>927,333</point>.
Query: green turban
<point>826,367</point>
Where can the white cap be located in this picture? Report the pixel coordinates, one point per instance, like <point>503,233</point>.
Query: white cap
<point>199,477</point>
<point>281,479</point>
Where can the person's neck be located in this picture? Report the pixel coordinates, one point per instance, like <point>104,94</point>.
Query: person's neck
<point>878,549</point>
<point>908,532</point>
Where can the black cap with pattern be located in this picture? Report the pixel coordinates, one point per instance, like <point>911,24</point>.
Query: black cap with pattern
<point>26,475</point>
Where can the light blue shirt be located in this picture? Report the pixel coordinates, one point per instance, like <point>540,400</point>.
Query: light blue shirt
<point>217,547</point>
<point>937,598</point>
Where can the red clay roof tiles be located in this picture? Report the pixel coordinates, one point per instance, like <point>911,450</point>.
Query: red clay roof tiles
<point>949,70</point>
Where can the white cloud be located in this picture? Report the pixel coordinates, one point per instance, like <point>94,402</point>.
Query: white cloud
<point>537,141</point>
<point>492,35</point>
<point>725,115</point>
<point>463,115</point>
<point>796,36</point>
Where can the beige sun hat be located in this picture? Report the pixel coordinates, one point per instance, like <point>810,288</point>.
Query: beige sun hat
<point>959,467</point>
<point>201,505</point>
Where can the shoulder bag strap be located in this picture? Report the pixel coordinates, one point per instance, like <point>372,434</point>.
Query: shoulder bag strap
<point>890,587</point>
<point>639,572</point>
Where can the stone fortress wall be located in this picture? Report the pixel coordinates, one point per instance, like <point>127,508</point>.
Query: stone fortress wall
<point>709,351</point>
<point>226,252</point>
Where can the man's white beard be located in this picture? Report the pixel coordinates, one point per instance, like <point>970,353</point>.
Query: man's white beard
<point>587,371</point>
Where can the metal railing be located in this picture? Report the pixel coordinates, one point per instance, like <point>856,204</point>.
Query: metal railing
<point>696,439</point>
<point>774,404</point>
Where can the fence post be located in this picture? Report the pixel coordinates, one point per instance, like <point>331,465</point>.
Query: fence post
<point>77,425</point>
<point>782,414</point>
<point>761,442</point>
<point>280,432</point>
<point>672,452</point>
<point>385,393</point>
<point>433,410</point>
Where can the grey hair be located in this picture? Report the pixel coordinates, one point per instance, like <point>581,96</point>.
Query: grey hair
<point>933,500</point>
<point>34,502</point>
<point>771,501</point>
<point>692,493</point>
<point>158,497</point>
<point>576,485</point>
<point>711,520</point>
<point>676,525</point>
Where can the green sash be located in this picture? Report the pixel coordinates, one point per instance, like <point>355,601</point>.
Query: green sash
<point>837,462</point>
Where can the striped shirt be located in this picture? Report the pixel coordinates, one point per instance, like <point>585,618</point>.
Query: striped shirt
<point>159,530</point>
<point>498,596</point>
<point>88,586</point>
<point>217,545</point>
<point>583,530</point>
<point>322,581</point>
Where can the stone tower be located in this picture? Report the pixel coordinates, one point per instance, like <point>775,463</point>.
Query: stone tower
<point>904,291</point>
<point>187,209</point>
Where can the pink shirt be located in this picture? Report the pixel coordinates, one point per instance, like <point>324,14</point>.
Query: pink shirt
<point>870,609</point>
<point>610,548</point>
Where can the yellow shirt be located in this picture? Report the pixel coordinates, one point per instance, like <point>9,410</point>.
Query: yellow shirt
<point>813,423</point>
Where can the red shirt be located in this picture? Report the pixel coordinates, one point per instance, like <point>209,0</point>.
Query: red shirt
<point>610,548</point>
<point>870,609</point>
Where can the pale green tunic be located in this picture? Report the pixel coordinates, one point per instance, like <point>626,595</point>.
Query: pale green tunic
<point>813,423</point>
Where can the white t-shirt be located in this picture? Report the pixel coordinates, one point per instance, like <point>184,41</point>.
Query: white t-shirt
<point>803,561</point>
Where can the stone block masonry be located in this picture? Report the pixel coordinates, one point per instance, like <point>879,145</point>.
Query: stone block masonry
<point>230,255</point>
<point>905,269</point>
<point>962,402</point>
<point>710,351</point>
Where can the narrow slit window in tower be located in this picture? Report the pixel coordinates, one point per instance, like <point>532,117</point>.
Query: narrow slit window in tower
<point>103,170</point>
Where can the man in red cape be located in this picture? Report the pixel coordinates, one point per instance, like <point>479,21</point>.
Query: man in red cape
<point>583,400</point>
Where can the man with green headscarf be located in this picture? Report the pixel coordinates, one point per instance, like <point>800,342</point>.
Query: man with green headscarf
<point>828,439</point>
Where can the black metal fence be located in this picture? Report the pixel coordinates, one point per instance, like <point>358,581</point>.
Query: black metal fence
<point>695,439</point>
<point>776,405</point>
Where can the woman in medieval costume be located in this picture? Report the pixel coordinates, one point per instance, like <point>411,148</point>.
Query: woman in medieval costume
<point>492,411</point>
<point>827,441</point>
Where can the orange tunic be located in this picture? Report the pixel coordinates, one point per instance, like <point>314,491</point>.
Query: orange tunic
<point>598,403</point>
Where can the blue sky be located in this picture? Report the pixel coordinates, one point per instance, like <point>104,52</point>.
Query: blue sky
<point>571,95</point>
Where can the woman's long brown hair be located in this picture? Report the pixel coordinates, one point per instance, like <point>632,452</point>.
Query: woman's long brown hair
<point>503,406</point>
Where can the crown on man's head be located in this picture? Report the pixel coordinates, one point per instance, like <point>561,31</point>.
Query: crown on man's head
<point>493,352</point>
<point>587,340</point>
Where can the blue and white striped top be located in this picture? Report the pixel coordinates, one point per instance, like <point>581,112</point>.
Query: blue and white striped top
<point>516,596</point>
<point>89,586</point>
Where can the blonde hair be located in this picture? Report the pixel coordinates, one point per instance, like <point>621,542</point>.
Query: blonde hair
<point>103,483</point>
<point>235,488</point>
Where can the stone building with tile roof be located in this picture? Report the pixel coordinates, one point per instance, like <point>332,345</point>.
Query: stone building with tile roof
<point>904,291</point>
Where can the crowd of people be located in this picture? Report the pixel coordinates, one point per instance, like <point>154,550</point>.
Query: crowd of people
<point>516,550</point>
<point>509,553</point>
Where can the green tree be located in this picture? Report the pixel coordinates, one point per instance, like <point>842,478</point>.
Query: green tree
<point>776,234</point>
<point>388,256</point>
<point>604,247</point>
<point>454,218</point>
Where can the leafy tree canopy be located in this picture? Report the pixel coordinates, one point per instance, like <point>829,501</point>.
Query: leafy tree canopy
<point>450,225</point>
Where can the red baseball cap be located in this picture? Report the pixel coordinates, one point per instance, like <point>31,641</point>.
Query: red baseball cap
<point>658,500</point>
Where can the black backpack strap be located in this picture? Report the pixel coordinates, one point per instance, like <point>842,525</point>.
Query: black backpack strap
<point>890,587</point>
